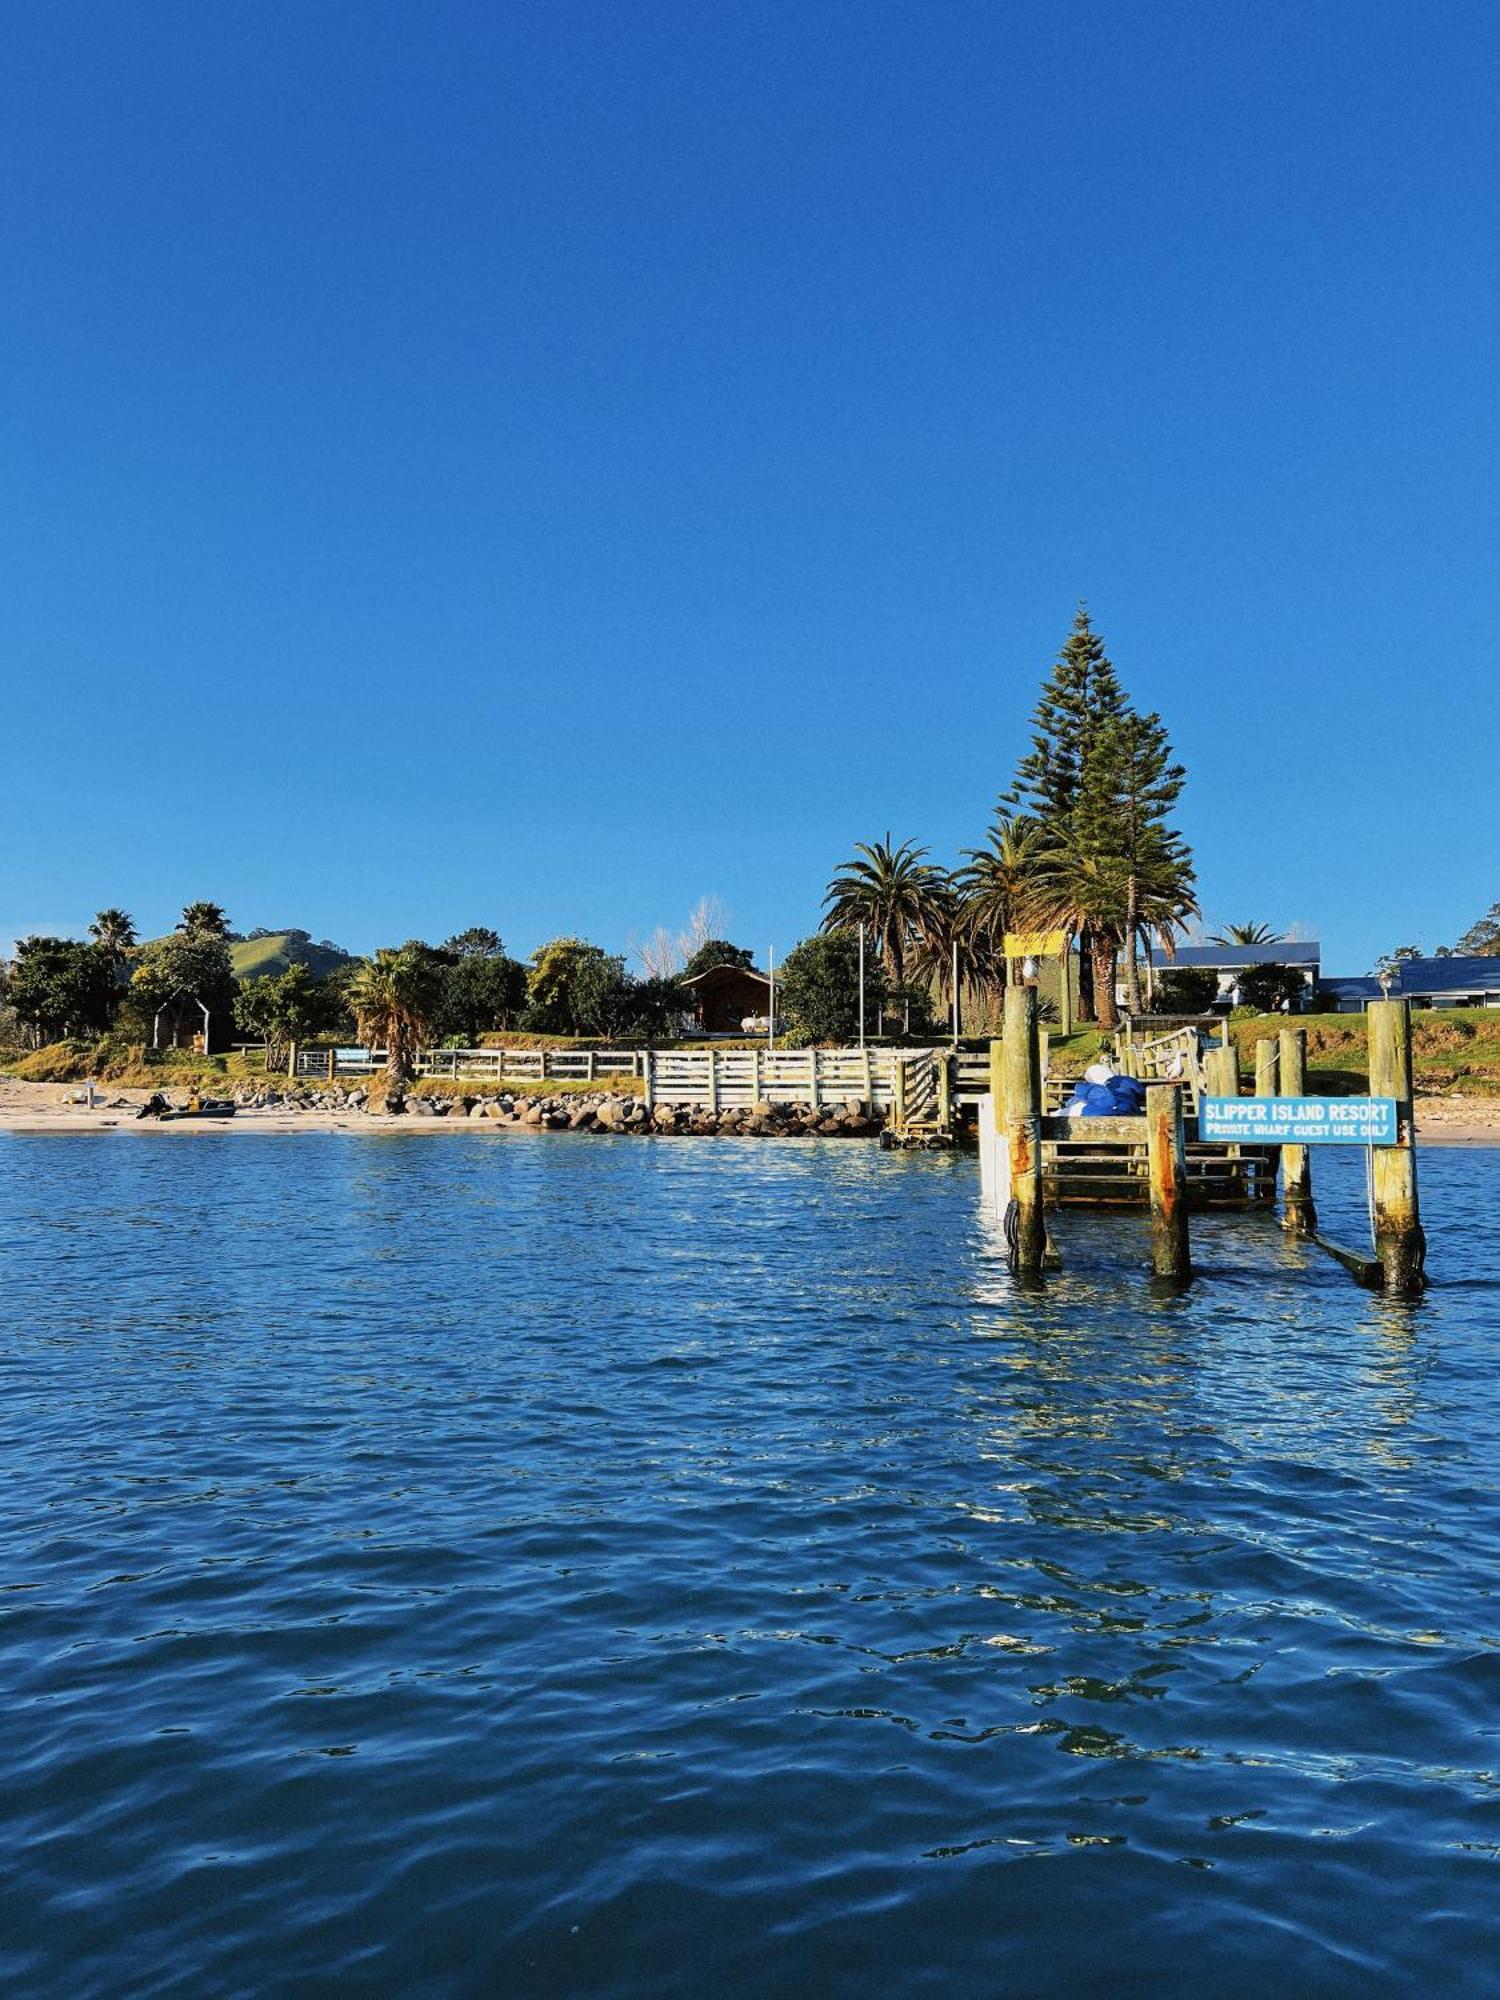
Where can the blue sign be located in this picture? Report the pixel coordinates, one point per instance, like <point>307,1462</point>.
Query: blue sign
<point>1299,1121</point>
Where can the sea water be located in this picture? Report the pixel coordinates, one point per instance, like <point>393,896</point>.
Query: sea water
<point>471,1563</point>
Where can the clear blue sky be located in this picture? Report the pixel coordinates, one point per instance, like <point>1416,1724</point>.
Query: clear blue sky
<point>537,464</point>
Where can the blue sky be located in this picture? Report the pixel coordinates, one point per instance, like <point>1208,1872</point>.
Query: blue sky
<point>539,465</point>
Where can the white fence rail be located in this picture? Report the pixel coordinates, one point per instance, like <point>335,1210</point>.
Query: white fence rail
<point>720,1078</point>
<point>495,1065</point>
<point>532,1065</point>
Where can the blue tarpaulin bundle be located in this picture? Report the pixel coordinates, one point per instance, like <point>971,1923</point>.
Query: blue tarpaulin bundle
<point>1101,1094</point>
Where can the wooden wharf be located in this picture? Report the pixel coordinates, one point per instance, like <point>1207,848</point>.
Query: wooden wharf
<point>1026,1162</point>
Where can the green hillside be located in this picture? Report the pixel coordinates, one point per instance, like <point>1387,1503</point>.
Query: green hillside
<point>263,957</point>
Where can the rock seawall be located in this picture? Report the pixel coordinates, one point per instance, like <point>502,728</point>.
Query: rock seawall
<point>604,1113</point>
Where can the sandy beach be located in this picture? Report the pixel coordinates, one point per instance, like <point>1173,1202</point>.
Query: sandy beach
<point>50,1107</point>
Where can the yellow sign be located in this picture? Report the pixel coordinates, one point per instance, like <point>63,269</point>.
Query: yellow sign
<point>1035,944</point>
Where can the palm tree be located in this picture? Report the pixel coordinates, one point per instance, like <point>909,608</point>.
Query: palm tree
<point>114,931</point>
<point>892,892</point>
<point>1246,934</point>
<point>1077,889</point>
<point>941,926</point>
<point>1161,903</point>
<point>392,996</point>
<point>992,889</point>
<point>205,918</point>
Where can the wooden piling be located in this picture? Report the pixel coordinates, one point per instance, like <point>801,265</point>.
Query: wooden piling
<point>1266,1054</point>
<point>1166,1158</point>
<point>1221,1071</point>
<point>1400,1244</point>
<point>1021,1076</point>
<point>1265,1067</point>
<point>1221,1078</point>
<point>1298,1215</point>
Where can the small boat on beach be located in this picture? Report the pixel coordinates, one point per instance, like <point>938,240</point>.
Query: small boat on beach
<point>158,1107</point>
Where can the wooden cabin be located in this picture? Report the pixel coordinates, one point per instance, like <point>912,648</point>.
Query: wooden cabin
<point>725,996</point>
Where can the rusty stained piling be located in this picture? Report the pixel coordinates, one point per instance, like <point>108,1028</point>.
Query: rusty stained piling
<point>1400,1245</point>
<point>1298,1215</point>
<point>1020,1105</point>
<point>1166,1161</point>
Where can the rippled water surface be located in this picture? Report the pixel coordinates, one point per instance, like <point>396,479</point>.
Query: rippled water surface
<point>471,1563</point>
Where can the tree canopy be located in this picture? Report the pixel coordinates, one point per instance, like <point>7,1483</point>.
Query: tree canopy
<point>716,951</point>
<point>817,989</point>
<point>62,988</point>
<point>1482,938</point>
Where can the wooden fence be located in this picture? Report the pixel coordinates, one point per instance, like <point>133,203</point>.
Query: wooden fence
<point>719,1078</point>
<point>532,1065</point>
<point>494,1065</point>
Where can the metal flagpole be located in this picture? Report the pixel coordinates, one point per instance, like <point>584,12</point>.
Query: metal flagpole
<point>861,985</point>
<point>955,993</point>
<point>771,1015</point>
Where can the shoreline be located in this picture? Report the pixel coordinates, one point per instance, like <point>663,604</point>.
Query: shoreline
<point>39,1110</point>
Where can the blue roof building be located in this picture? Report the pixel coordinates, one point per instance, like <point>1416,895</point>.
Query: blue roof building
<point>1228,961</point>
<point>1449,982</point>
<point>1426,982</point>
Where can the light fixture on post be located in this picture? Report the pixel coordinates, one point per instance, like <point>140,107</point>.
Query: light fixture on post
<point>1028,971</point>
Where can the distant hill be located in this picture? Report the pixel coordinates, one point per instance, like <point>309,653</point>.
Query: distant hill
<point>265,957</point>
